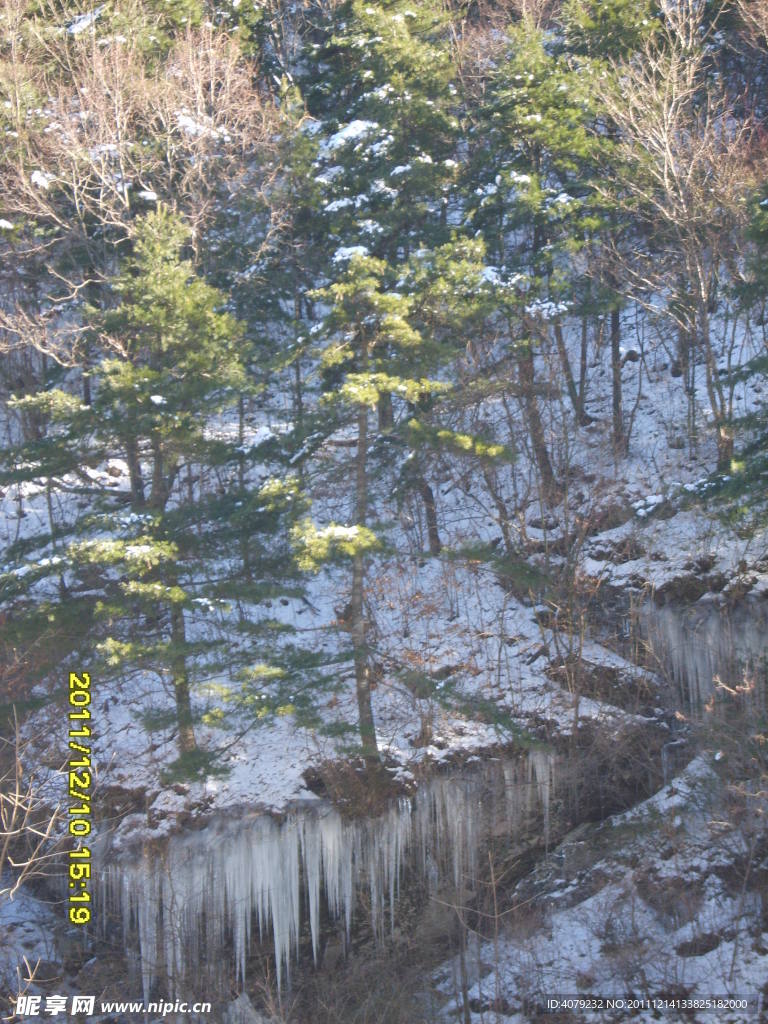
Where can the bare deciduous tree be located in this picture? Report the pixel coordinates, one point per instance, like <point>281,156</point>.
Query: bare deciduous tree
<point>685,165</point>
<point>117,130</point>
<point>755,16</point>
<point>27,821</point>
<point>98,131</point>
<point>538,12</point>
<point>27,846</point>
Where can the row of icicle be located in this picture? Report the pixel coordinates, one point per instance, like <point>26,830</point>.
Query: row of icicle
<point>198,899</point>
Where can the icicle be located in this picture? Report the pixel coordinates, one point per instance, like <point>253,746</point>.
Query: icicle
<point>700,642</point>
<point>541,772</point>
<point>311,851</point>
<point>197,900</point>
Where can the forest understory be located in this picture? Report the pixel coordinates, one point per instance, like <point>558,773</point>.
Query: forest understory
<point>384,440</point>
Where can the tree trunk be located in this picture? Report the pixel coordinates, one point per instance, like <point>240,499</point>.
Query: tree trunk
<point>619,438</point>
<point>244,532</point>
<point>724,448</point>
<point>241,443</point>
<point>427,494</point>
<point>526,371</point>
<point>164,470</point>
<point>719,402</point>
<point>385,412</point>
<point>298,384</point>
<point>583,418</point>
<point>134,473</point>
<point>527,380</point>
<point>357,600</point>
<point>491,483</point>
<point>187,741</point>
<point>565,363</point>
<point>683,353</point>
<point>157,495</point>
<point>688,366</point>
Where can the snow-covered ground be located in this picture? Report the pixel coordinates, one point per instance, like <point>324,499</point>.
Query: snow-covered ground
<point>451,618</point>
<point>481,642</point>
<point>664,901</point>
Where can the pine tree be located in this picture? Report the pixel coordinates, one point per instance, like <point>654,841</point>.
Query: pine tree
<point>273,294</point>
<point>387,157</point>
<point>609,29</point>
<point>151,581</point>
<point>366,319</point>
<point>393,112</point>
<point>402,289</point>
<point>531,200</point>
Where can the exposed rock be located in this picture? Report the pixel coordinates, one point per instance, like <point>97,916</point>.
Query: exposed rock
<point>699,946</point>
<point>688,589</point>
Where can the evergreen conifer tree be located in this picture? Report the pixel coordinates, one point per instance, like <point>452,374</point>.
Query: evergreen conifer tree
<point>151,570</point>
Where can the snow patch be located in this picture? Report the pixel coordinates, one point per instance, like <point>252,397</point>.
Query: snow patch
<point>352,132</point>
<point>84,21</point>
<point>349,252</point>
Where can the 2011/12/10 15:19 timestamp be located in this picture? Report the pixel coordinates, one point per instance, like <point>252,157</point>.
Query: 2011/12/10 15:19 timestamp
<point>80,787</point>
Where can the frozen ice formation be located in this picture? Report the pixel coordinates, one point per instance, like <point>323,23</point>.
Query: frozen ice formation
<point>201,897</point>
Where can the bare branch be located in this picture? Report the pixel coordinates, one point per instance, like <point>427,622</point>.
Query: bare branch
<point>27,822</point>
